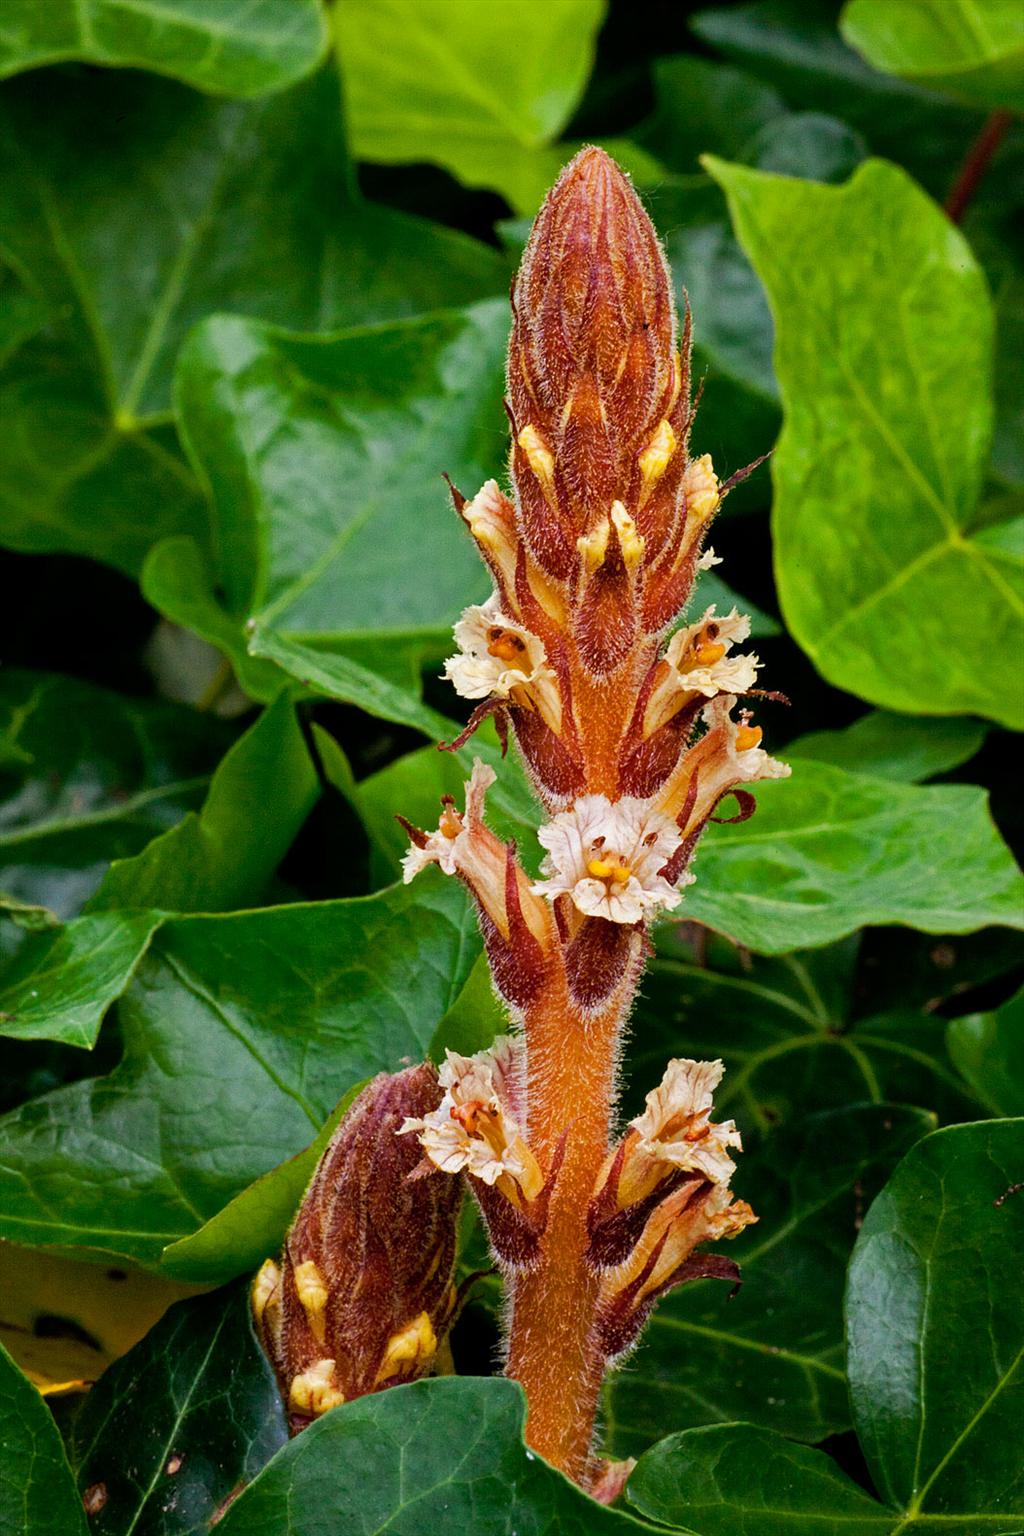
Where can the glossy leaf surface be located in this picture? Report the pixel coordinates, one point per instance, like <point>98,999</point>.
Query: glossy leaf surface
<point>864,467</point>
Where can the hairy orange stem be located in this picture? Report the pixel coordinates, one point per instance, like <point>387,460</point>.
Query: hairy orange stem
<point>572,1068</point>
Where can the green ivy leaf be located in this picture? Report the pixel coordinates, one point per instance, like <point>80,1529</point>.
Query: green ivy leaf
<point>971,49</point>
<point>483,91</point>
<point>774,1352</point>
<point>182,1421</point>
<point>252,1226</point>
<point>829,852</point>
<point>61,982</point>
<point>114,191</point>
<point>222,857</point>
<point>266,46</point>
<point>740,1480</point>
<point>787,1033</point>
<point>903,603</point>
<point>87,776</point>
<point>260,1020</point>
<point>443,1455</point>
<point>936,1331</point>
<point>906,748</point>
<point>325,459</point>
<point>988,1049</point>
<point>37,1491</point>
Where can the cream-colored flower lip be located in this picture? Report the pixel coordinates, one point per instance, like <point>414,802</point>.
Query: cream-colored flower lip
<point>607,856</point>
<point>450,845</point>
<point>676,1126</point>
<point>472,1130</point>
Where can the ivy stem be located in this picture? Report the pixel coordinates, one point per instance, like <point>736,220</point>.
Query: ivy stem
<point>976,163</point>
<point>552,1353</point>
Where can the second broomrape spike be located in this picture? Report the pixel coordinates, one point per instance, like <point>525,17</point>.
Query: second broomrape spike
<point>363,1293</point>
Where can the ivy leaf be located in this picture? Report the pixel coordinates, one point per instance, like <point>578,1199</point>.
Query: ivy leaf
<point>988,1049</point>
<point>972,49</point>
<point>906,748</point>
<point>222,857</point>
<point>260,1019</point>
<point>482,91</point>
<point>325,460</point>
<point>87,776</point>
<point>268,46</point>
<point>829,852</point>
<point>91,167</point>
<point>774,1352</point>
<point>787,1033</point>
<point>740,1480</point>
<point>37,1492</point>
<point>903,603</point>
<point>181,1422</point>
<point>795,46</point>
<point>61,982</point>
<point>443,1455</point>
<point>936,1332</point>
<point>252,1225</point>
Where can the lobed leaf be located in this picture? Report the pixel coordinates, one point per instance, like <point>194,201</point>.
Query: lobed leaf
<point>205,43</point>
<point>483,92</point>
<point>255,1022</point>
<point>438,1455</point>
<point>37,1492</point>
<point>905,601</point>
<point>971,49</point>
<point>173,1429</point>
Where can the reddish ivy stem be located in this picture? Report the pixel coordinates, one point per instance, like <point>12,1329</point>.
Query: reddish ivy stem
<point>976,163</point>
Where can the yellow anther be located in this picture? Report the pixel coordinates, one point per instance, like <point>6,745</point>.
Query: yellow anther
<point>748,736</point>
<point>505,644</point>
<point>656,458</point>
<point>630,542</point>
<point>312,1294</point>
<point>700,487</point>
<point>614,869</point>
<point>450,824</point>
<point>707,654</point>
<point>411,1347</point>
<point>538,456</point>
<point>263,1288</point>
<point>313,1391</point>
<point>593,546</point>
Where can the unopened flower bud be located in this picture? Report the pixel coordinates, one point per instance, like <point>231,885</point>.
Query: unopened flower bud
<point>363,1293</point>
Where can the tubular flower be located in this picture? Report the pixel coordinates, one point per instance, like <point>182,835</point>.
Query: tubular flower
<point>675,1131</point>
<point>498,658</point>
<point>473,1130</point>
<point>608,857</point>
<point>697,662</point>
<point>728,754</point>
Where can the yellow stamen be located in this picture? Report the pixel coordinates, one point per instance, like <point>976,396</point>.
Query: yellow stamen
<point>450,824</point>
<point>748,736</point>
<point>630,542</point>
<point>312,1294</point>
<point>538,456</point>
<point>504,644</point>
<point>313,1391</point>
<point>707,654</point>
<point>614,869</point>
<point>656,458</point>
<point>408,1348</point>
<point>593,546</point>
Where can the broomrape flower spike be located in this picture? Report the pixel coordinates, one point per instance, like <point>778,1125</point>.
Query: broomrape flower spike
<point>632,737</point>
